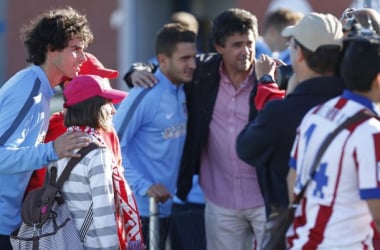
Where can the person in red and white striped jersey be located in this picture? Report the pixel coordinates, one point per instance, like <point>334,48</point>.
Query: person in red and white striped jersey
<point>343,198</point>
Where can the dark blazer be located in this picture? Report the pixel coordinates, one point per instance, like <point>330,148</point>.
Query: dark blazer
<point>266,141</point>
<point>200,97</point>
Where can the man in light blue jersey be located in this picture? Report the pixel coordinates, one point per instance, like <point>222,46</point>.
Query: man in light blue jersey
<point>153,142</point>
<point>55,41</point>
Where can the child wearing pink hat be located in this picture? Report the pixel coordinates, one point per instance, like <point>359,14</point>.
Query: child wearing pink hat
<point>116,223</point>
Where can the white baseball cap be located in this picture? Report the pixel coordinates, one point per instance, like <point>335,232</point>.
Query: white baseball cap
<point>315,30</point>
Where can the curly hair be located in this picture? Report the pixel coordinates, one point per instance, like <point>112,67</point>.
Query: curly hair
<point>53,30</point>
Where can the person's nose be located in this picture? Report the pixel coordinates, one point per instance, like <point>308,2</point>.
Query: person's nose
<point>82,56</point>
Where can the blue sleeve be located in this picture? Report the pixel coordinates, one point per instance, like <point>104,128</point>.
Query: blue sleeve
<point>20,150</point>
<point>22,159</point>
<point>142,114</point>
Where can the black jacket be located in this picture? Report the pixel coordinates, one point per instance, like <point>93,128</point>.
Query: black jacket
<point>266,141</point>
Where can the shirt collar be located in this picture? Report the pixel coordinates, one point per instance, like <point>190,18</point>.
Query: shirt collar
<point>248,81</point>
<point>162,78</point>
<point>361,99</point>
<point>48,89</point>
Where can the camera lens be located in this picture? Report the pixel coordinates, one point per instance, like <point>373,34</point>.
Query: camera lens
<point>283,74</point>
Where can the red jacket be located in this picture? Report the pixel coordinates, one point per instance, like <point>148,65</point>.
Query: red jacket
<point>267,92</point>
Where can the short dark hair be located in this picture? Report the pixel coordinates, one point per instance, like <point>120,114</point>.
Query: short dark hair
<point>281,18</point>
<point>186,19</point>
<point>171,34</point>
<point>53,30</point>
<point>90,112</point>
<point>360,64</point>
<point>232,21</point>
<point>326,59</point>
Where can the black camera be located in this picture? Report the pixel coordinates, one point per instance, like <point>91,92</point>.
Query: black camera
<point>283,74</point>
<point>354,29</point>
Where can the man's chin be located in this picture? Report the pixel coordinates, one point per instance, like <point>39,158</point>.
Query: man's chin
<point>245,66</point>
<point>187,79</point>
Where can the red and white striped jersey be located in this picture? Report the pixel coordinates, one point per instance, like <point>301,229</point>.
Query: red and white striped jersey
<point>334,213</point>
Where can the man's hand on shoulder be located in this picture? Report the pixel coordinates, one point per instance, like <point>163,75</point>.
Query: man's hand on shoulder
<point>141,75</point>
<point>65,144</point>
<point>142,78</point>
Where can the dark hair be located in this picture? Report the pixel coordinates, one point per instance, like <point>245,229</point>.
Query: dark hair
<point>360,64</point>
<point>171,34</point>
<point>53,30</point>
<point>281,18</point>
<point>325,59</point>
<point>186,19</point>
<point>232,21</point>
<point>91,112</point>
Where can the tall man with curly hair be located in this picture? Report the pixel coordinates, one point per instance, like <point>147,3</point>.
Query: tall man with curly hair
<point>55,41</point>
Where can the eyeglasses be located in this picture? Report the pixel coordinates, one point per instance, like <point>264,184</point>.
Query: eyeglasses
<point>292,43</point>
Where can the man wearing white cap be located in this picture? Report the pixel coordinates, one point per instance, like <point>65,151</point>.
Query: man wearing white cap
<point>341,192</point>
<point>266,142</point>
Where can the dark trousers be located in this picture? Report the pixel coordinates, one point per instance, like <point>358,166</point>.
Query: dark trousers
<point>162,234</point>
<point>187,230</point>
<point>5,243</point>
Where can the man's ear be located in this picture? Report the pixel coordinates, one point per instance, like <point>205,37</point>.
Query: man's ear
<point>375,87</point>
<point>299,54</point>
<point>377,81</point>
<point>50,52</point>
<point>161,59</point>
<point>218,48</point>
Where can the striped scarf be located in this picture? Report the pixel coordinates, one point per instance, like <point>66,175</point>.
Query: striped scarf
<point>127,216</point>
<point>129,229</point>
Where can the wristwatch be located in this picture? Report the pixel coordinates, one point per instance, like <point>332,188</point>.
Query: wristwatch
<point>266,79</point>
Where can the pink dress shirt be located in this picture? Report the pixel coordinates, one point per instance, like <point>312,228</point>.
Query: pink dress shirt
<point>226,180</point>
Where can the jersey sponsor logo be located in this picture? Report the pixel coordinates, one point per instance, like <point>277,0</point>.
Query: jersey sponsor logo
<point>174,131</point>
